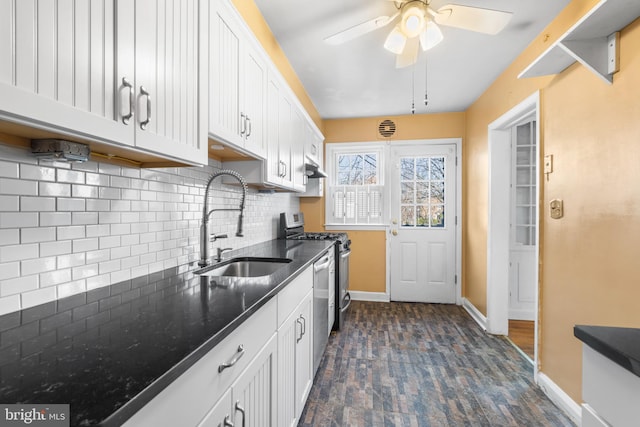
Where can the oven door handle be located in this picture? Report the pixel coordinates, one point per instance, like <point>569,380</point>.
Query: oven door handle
<point>345,254</point>
<point>347,298</point>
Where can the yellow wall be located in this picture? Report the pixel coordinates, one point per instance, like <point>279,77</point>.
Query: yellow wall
<point>589,264</point>
<point>589,258</point>
<point>252,16</point>
<point>368,260</point>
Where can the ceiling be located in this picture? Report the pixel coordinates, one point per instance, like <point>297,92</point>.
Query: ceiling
<point>359,78</point>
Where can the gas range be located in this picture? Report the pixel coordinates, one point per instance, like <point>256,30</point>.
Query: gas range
<point>292,228</point>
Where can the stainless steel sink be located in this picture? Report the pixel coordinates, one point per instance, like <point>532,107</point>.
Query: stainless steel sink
<point>245,267</point>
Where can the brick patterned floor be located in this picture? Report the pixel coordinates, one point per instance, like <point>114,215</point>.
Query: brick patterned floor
<point>404,364</point>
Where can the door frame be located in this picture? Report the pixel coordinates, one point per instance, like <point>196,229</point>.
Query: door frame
<point>498,224</point>
<point>458,209</point>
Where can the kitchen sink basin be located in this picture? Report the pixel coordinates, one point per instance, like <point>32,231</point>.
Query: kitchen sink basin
<point>245,267</point>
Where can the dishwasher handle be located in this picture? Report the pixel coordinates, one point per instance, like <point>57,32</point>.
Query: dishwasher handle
<point>322,266</point>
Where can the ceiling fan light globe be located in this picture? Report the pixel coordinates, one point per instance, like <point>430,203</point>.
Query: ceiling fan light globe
<point>413,19</point>
<point>431,36</point>
<point>396,40</point>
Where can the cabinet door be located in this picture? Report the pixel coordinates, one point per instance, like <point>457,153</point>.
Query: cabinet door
<point>167,77</point>
<point>304,354</point>
<point>297,150</point>
<point>221,413</point>
<point>295,362</point>
<point>253,392</point>
<point>57,67</point>
<point>224,75</point>
<point>284,139</point>
<point>254,100</point>
<point>273,169</point>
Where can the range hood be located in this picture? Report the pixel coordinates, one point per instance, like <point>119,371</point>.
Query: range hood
<point>312,169</point>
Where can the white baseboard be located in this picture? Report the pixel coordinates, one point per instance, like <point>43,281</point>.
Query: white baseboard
<point>369,296</point>
<point>560,398</point>
<point>475,313</point>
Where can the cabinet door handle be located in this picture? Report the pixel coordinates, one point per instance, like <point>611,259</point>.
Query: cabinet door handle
<point>241,410</point>
<point>248,126</point>
<point>227,422</point>
<point>143,92</point>
<point>234,360</point>
<point>243,124</point>
<point>304,324</point>
<point>298,321</point>
<point>126,117</point>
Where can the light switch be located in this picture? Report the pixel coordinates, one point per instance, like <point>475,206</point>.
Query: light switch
<point>556,208</point>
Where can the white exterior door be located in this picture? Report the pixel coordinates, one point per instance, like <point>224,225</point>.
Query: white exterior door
<point>423,230</point>
<point>522,253</point>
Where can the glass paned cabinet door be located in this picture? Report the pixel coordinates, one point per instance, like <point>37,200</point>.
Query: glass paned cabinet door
<point>524,184</point>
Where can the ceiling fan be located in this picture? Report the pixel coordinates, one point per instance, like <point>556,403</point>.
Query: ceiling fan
<point>418,26</point>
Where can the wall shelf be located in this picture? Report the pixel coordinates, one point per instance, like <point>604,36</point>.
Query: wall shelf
<point>592,41</point>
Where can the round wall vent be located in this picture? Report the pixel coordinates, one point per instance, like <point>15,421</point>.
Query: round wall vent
<point>387,128</point>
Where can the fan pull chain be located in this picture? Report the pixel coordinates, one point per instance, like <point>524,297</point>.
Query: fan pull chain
<point>426,79</point>
<point>413,89</point>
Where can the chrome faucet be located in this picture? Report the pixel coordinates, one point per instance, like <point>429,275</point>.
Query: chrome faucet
<point>204,241</point>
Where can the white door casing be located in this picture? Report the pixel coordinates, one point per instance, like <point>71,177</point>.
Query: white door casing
<point>422,194</point>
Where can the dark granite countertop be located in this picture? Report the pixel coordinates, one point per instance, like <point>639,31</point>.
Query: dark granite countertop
<point>109,351</point>
<point>620,345</point>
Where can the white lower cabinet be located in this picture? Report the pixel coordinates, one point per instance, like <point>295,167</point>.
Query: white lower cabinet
<point>258,376</point>
<point>250,401</point>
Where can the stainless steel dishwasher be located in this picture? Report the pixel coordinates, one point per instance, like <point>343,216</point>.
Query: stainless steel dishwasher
<point>321,281</point>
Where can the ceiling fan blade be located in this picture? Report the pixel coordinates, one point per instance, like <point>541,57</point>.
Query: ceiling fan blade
<point>472,18</point>
<point>409,55</point>
<point>360,29</point>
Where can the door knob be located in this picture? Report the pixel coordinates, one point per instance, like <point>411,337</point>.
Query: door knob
<point>394,232</point>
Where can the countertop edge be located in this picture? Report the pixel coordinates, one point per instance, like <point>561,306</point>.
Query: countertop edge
<point>607,349</point>
<point>129,409</point>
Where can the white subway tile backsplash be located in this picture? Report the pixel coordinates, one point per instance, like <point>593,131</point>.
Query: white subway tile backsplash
<point>53,278</point>
<point>19,187</point>
<point>9,169</point>
<point>9,270</point>
<point>84,191</point>
<point>72,260</point>
<point>54,189</point>
<point>37,173</point>
<point>9,236</point>
<point>40,265</point>
<point>18,252</point>
<point>85,245</point>
<point>9,304</point>
<point>18,285</point>
<point>37,204</point>
<point>70,176</point>
<point>55,218</point>
<point>84,218</point>
<point>65,204</point>
<point>9,203</point>
<point>61,247</point>
<point>39,234</point>
<point>101,223</point>
<point>72,232</point>
<point>37,297</point>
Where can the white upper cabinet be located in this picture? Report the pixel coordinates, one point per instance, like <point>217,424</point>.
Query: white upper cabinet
<point>164,71</point>
<point>78,68</point>
<point>297,150</point>
<point>238,84</point>
<point>57,67</point>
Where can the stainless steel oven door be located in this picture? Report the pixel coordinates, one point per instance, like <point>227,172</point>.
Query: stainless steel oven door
<point>343,271</point>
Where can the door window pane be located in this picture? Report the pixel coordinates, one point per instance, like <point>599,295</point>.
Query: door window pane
<point>422,195</point>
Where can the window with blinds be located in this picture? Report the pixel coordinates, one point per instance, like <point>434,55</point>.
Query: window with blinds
<point>355,189</point>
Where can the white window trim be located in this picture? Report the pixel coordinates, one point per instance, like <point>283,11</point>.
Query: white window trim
<point>334,149</point>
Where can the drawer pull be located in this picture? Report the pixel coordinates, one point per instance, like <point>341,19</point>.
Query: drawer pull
<point>227,422</point>
<point>233,361</point>
<point>241,410</point>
